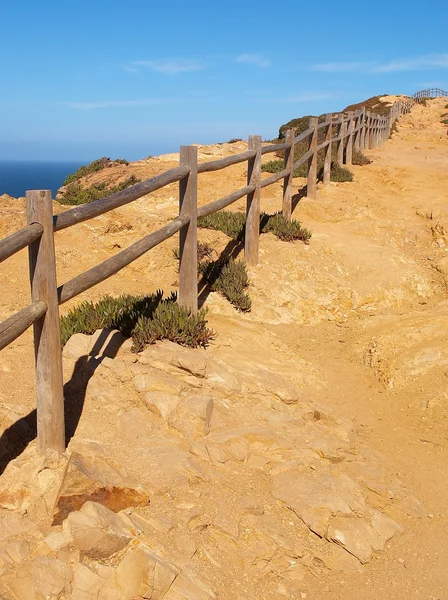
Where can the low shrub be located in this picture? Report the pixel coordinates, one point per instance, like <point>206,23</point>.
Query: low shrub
<point>93,167</point>
<point>231,280</point>
<point>275,166</point>
<point>173,322</point>
<point>230,223</point>
<point>145,318</point>
<point>288,231</point>
<point>75,194</point>
<point>205,251</point>
<point>339,173</point>
<point>393,129</point>
<point>233,225</point>
<point>116,313</point>
<point>360,159</point>
<point>233,140</point>
<point>444,121</point>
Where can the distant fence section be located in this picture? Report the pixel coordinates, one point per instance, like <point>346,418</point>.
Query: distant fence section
<point>343,133</point>
<point>431,93</point>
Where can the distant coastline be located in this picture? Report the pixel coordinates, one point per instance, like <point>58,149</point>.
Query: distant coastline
<point>18,176</point>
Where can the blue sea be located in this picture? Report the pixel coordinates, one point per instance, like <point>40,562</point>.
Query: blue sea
<point>18,176</point>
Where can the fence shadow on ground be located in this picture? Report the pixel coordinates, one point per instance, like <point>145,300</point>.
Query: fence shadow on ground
<point>17,436</point>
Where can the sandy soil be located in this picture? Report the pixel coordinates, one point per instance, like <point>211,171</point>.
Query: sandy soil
<point>364,309</point>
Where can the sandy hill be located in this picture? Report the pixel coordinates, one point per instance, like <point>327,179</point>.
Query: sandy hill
<point>302,455</point>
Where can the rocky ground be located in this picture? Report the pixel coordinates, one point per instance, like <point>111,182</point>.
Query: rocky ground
<point>302,455</point>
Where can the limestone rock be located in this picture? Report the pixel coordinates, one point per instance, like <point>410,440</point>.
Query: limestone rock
<point>192,416</point>
<point>278,386</point>
<point>316,496</point>
<point>41,578</point>
<point>189,587</point>
<point>141,574</point>
<point>148,379</point>
<point>90,477</point>
<point>161,403</point>
<point>190,360</point>
<point>78,345</point>
<point>86,584</point>
<point>97,531</point>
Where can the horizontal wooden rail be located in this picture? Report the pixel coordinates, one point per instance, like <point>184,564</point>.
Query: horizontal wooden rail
<point>222,163</point>
<point>104,205</point>
<point>12,327</point>
<point>211,207</point>
<point>19,239</point>
<point>324,145</point>
<point>303,159</point>
<point>112,265</point>
<point>322,125</point>
<point>273,178</point>
<point>275,148</point>
<point>304,135</point>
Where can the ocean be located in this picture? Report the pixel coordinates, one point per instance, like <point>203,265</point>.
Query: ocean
<point>18,176</point>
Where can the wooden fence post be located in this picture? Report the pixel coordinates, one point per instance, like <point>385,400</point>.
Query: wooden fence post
<point>311,185</point>
<point>47,337</point>
<point>252,234</point>
<point>287,181</point>
<point>362,133</point>
<point>188,235</point>
<point>327,160</point>
<point>356,131</point>
<point>371,131</point>
<point>349,149</point>
<point>341,135</point>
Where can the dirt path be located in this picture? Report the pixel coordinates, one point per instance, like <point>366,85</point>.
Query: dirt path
<point>409,175</point>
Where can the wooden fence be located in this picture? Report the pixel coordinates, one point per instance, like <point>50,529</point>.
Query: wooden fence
<point>431,93</point>
<point>356,130</point>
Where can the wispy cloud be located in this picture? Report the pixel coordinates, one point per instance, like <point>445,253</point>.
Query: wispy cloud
<point>166,66</point>
<point>418,63</point>
<point>339,67</point>
<point>111,104</point>
<point>254,59</point>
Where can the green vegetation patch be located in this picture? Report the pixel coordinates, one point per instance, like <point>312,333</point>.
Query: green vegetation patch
<point>275,166</point>
<point>230,278</point>
<point>131,315</point>
<point>173,322</point>
<point>337,172</point>
<point>97,165</point>
<point>75,194</point>
<point>233,225</point>
<point>287,231</point>
<point>230,223</point>
<point>360,159</point>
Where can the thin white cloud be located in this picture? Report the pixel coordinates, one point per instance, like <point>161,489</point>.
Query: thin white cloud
<point>339,67</point>
<point>168,66</point>
<point>418,63</point>
<point>111,104</point>
<point>254,59</point>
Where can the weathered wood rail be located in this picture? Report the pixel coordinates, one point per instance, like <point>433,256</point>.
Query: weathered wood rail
<point>355,130</point>
<point>431,93</point>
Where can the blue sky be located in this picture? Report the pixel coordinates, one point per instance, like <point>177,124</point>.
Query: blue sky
<point>82,79</point>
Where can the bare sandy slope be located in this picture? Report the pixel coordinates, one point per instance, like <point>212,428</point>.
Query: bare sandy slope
<point>354,324</point>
